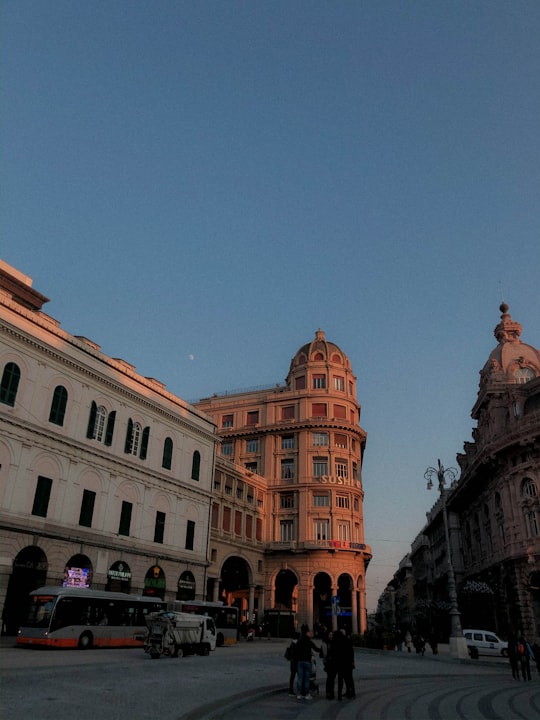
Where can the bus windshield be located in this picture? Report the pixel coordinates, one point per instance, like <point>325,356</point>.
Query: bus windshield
<point>40,613</point>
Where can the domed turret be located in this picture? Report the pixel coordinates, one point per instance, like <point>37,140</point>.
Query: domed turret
<point>512,361</point>
<point>320,353</point>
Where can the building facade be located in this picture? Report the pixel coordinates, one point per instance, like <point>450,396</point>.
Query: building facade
<point>497,497</point>
<point>106,478</point>
<point>305,440</point>
<point>494,507</point>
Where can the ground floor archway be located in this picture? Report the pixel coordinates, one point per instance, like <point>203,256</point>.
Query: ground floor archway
<point>29,572</point>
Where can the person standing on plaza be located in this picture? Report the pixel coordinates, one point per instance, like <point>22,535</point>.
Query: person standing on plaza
<point>302,653</point>
<point>291,657</point>
<point>344,651</point>
<point>524,656</point>
<point>408,640</point>
<point>512,656</point>
<point>330,666</point>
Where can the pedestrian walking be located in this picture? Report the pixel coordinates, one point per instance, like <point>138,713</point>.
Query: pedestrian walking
<point>302,652</point>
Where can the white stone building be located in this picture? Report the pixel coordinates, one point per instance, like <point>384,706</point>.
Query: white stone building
<point>105,477</point>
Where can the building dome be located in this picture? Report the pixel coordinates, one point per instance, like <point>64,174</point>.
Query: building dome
<point>320,350</point>
<point>512,361</point>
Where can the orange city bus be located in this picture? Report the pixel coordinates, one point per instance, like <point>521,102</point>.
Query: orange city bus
<point>68,617</point>
<point>225,617</point>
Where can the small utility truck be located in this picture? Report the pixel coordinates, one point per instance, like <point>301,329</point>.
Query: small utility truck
<point>177,634</point>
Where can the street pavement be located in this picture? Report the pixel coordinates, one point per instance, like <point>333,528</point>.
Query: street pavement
<point>250,681</point>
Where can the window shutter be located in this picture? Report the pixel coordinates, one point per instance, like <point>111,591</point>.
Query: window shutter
<point>129,436</point>
<point>144,443</point>
<point>91,431</point>
<point>110,428</point>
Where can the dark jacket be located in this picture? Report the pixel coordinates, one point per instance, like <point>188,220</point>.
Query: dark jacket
<point>303,648</point>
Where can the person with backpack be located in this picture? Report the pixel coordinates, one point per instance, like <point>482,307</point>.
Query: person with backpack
<point>290,656</point>
<point>524,656</point>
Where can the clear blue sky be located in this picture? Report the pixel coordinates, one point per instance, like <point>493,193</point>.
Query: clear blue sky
<point>198,186</point>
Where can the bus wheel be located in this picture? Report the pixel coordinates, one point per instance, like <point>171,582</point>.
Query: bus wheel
<point>179,651</point>
<point>85,641</point>
<point>220,640</point>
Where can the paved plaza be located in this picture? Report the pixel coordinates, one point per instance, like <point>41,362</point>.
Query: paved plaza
<point>250,681</point>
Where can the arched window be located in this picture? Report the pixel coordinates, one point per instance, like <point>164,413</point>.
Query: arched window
<point>137,439</point>
<point>167,454</point>
<point>10,384</point>
<point>196,465</point>
<point>101,424</point>
<point>133,437</point>
<point>58,405</point>
<point>528,488</point>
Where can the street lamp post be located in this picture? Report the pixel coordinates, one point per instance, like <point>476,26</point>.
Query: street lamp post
<point>458,644</point>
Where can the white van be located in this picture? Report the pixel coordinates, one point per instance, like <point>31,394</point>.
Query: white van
<point>486,642</point>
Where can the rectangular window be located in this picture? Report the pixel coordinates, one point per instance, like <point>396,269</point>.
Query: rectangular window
<point>190,535</point>
<point>339,383</point>
<point>42,496</point>
<point>340,440</point>
<point>321,500</point>
<point>287,442</point>
<point>250,495</point>
<point>342,501</point>
<point>237,522</point>
<point>300,383</point>
<point>342,469</point>
<point>87,508</point>
<point>286,528</point>
<point>249,527</point>
<point>320,439</point>
<point>253,417</point>
<point>321,529</point>
<point>217,484</point>
<point>319,381</point>
<point>159,528</point>
<point>226,519</point>
<point>258,529</point>
<point>125,518</point>
<point>287,469</point>
<point>343,531</point>
<point>340,411</point>
<point>318,410</point>
<point>320,466</point>
<point>227,447</point>
<point>215,516</point>
<point>286,500</point>
<point>252,467</point>
<point>239,491</point>
<point>227,421</point>
<point>228,486</point>
<point>287,412</point>
<point>252,445</point>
